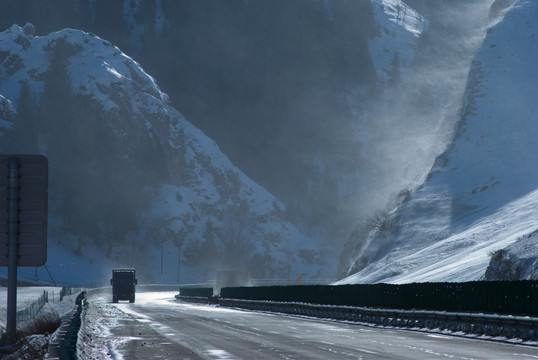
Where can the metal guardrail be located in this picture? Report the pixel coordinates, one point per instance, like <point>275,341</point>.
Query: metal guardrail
<point>64,346</point>
<point>520,327</point>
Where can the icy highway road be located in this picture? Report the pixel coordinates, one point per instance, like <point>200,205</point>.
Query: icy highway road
<point>158,327</point>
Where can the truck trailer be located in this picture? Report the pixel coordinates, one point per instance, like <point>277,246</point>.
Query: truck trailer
<point>123,284</point>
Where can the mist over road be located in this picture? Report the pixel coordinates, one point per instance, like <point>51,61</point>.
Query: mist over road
<point>156,326</point>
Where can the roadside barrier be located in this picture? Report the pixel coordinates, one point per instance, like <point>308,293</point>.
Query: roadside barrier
<point>489,297</point>
<point>196,291</point>
<point>64,346</point>
<point>510,327</point>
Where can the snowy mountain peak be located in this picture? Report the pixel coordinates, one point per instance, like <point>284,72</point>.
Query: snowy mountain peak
<point>94,64</point>
<point>19,33</point>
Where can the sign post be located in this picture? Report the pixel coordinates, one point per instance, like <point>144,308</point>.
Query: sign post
<point>13,211</point>
<point>23,224</point>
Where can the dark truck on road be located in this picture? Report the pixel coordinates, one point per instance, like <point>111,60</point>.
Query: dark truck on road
<point>123,284</point>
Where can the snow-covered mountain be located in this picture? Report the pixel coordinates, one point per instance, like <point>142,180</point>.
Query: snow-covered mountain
<point>132,183</point>
<point>477,209</point>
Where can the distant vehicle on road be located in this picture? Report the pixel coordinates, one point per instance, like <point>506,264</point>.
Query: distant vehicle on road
<point>123,284</point>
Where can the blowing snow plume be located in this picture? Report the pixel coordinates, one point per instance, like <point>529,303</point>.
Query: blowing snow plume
<point>413,120</point>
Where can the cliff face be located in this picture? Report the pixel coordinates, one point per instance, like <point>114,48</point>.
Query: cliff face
<point>481,194</point>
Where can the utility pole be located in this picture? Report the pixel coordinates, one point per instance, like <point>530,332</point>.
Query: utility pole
<point>13,235</point>
<point>179,260</point>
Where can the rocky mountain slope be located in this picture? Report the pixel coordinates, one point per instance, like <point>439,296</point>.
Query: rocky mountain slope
<point>474,217</point>
<point>130,178</point>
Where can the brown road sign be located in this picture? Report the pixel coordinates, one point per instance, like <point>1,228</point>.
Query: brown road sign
<point>32,206</point>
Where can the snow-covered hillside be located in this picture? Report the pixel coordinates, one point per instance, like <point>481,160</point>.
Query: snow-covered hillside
<point>132,183</point>
<point>481,196</point>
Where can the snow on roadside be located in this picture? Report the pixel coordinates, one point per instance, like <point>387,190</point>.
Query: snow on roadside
<point>94,337</point>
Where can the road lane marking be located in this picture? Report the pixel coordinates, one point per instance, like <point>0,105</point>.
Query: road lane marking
<point>219,354</point>
<point>366,351</point>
